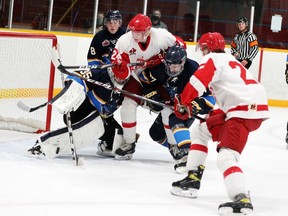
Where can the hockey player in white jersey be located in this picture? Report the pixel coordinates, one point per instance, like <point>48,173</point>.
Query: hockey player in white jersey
<point>242,105</point>
<point>141,44</point>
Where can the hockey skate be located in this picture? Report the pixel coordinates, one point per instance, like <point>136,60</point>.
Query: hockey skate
<point>35,150</point>
<point>104,149</point>
<point>175,152</point>
<point>241,206</point>
<point>189,186</point>
<point>125,152</point>
<point>181,167</point>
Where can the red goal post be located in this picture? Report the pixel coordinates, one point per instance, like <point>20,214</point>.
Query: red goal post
<point>27,75</point>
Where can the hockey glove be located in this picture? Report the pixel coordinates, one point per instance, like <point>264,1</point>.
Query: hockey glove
<point>185,112</point>
<point>286,75</point>
<point>152,94</point>
<point>111,106</point>
<point>153,61</point>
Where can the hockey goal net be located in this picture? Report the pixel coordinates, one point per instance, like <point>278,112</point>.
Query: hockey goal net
<point>27,75</point>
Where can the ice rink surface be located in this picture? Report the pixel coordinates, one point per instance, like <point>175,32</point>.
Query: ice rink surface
<point>36,186</point>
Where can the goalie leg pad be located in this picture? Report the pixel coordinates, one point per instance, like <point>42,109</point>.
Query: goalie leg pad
<point>71,98</point>
<point>84,132</point>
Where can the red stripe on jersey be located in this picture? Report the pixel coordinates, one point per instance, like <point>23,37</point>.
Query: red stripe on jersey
<point>231,170</point>
<point>198,147</point>
<point>166,126</point>
<point>204,74</point>
<point>189,93</point>
<point>256,107</point>
<point>128,124</point>
<point>125,58</point>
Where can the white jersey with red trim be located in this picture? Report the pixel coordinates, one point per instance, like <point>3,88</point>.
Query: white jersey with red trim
<point>237,93</point>
<point>159,40</point>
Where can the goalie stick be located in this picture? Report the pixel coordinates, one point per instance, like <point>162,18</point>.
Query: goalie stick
<point>26,108</point>
<point>78,160</point>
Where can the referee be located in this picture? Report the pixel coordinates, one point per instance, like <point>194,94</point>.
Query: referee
<point>244,46</point>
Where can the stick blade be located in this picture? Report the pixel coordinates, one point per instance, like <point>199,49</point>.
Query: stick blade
<point>23,106</point>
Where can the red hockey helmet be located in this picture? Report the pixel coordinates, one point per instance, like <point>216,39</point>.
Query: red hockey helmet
<point>121,73</point>
<point>212,41</point>
<point>140,23</point>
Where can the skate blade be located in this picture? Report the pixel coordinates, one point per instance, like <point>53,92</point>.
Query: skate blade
<point>191,193</point>
<point>228,211</point>
<point>125,157</point>
<point>181,170</point>
<point>106,153</point>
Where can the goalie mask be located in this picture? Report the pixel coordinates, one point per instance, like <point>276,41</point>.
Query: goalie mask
<point>175,59</point>
<point>140,26</point>
<point>119,75</point>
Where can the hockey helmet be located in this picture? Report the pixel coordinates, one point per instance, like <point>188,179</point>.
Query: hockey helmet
<point>140,26</point>
<point>211,41</point>
<point>121,73</point>
<point>175,58</point>
<point>242,19</point>
<point>140,23</point>
<point>113,15</point>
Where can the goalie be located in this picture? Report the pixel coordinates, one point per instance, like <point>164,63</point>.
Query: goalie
<point>91,109</point>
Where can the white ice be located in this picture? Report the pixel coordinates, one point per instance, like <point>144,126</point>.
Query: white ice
<point>33,186</point>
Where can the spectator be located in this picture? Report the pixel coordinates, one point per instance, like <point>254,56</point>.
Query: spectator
<point>189,26</point>
<point>99,23</point>
<point>205,25</point>
<point>40,20</point>
<point>244,46</point>
<point>156,20</point>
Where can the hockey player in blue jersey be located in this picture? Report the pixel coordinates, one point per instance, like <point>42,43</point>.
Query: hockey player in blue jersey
<point>167,80</point>
<point>103,42</point>
<point>91,109</point>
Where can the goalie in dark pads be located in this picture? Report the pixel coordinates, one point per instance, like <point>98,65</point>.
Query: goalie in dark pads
<point>91,108</point>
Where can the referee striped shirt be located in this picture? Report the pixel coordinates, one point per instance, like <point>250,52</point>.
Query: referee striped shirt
<point>246,45</point>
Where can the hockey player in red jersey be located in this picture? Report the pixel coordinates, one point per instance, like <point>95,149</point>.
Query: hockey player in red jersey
<point>242,105</point>
<point>141,44</point>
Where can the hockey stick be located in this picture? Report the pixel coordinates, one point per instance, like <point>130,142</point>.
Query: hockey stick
<point>26,108</point>
<point>104,66</point>
<point>109,87</point>
<point>78,161</point>
<point>63,69</point>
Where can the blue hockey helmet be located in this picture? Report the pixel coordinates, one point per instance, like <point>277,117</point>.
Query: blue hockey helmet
<point>175,58</point>
<point>112,15</point>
